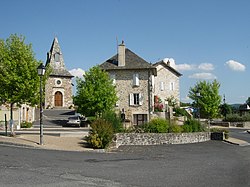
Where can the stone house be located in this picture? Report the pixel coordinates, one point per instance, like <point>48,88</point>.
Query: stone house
<point>138,82</point>
<point>166,83</point>
<point>132,77</point>
<point>58,88</point>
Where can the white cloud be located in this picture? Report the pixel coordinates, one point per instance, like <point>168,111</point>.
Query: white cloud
<point>203,76</point>
<point>206,67</point>
<point>77,72</point>
<point>184,67</point>
<point>235,66</point>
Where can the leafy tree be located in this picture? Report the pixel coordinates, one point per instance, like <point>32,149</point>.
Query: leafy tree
<point>208,100</point>
<point>96,93</point>
<point>248,101</point>
<point>225,109</point>
<point>19,80</point>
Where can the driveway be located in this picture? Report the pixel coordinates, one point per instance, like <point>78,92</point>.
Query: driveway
<point>54,118</point>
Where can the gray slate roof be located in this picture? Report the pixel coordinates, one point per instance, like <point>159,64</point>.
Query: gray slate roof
<point>168,67</point>
<point>61,73</point>
<point>132,61</point>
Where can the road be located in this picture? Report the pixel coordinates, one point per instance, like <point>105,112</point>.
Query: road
<point>239,133</point>
<point>54,118</point>
<point>212,163</point>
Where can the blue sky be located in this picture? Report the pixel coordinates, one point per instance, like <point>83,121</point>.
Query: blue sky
<point>206,39</point>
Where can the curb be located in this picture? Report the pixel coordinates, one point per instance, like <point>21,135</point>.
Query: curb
<point>17,145</point>
<point>235,143</point>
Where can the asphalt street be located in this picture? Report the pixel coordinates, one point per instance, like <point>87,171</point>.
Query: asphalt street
<point>54,118</point>
<point>212,163</point>
<point>239,133</point>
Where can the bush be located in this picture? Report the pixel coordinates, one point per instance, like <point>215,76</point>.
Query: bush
<point>175,129</point>
<point>114,119</point>
<point>26,124</point>
<point>237,118</point>
<point>157,125</point>
<point>181,112</point>
<point>101,134</point>
<point>192,125</point>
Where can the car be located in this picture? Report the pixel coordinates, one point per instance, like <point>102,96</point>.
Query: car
<point>76,120</point>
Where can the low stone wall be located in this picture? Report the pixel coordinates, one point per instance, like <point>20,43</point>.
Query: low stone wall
<point>159,138</point>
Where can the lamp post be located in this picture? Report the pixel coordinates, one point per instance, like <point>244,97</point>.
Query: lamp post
<point>41,71</point>
<point>198,94</point>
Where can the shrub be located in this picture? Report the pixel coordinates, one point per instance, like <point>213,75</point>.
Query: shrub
<point>237,118</point>
<point>101,134</point>
<point>157,125</point>
<point>192,125</point>
<point>26,124</point>
<point>181,112</point>
<point>175,129</point>
<point>114,119</point>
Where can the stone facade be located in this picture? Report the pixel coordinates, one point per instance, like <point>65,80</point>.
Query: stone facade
<point>58,88</point>
<point>125,89</point>
<point>159,138</point>
<point>166,83</point>
<point>65,87</point>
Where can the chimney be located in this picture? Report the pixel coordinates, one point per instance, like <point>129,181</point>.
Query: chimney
<point>121,54</point>
<point>168,63</point>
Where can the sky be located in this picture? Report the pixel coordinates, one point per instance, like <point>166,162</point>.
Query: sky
<point>204,40</point>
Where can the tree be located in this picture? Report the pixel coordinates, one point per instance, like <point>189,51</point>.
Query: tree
<point>19,81</point>
<point>208,100</point>
<point>225,109</point>
<point>95,93</point>
<point>248,101</point>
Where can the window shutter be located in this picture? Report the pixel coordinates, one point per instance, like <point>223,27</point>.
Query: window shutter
<point>131,99</point>
<point>140,99</point>
<point>161,86</point>
<point>136,79</point>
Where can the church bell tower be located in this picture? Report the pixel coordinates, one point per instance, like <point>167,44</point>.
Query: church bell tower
<point>58,88</point>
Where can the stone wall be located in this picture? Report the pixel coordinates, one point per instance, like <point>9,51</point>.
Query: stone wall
<point>159,138</point>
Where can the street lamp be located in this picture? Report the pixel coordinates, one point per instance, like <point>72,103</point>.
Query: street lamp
<point>198,94</point>
<point>41,71</point>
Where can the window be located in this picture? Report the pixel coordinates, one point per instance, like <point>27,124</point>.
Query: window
<point>161,86</point>
<point>112,77</point>
<point>57,57</point>
<point>171,86</point>
<point>135,99</point>
<point>136,79</point>
<point>140,119</point>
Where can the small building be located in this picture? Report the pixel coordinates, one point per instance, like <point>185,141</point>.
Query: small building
<point>167,83</point>
<point>244,109</point>
<point>58,88</point>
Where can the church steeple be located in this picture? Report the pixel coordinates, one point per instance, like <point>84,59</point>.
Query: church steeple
<point>55,60</point>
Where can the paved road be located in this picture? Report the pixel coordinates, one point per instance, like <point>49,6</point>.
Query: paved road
<point>239,133</point>
<point>54,118</point>
<point>212,163</point>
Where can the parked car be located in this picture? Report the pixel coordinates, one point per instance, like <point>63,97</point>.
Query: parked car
<point>76,120</point>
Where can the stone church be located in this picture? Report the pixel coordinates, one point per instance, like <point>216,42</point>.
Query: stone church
<point>58,88</point>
